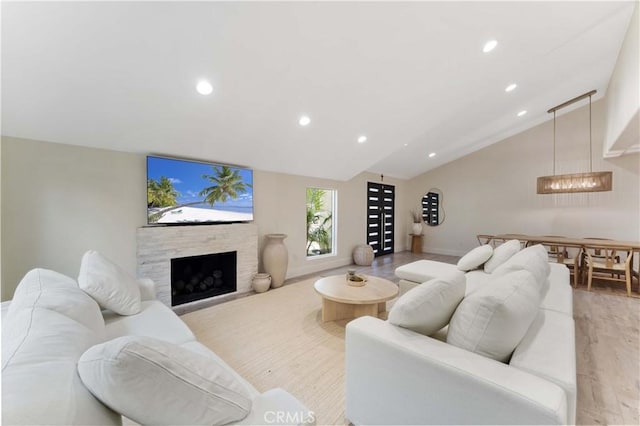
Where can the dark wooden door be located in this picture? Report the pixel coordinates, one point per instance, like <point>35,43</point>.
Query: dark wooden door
<point>380,217</point>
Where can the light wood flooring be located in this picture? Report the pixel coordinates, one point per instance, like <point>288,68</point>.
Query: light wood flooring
<point>607,348</point>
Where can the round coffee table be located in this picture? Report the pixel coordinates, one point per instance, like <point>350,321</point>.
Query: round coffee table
<point>342,301</point>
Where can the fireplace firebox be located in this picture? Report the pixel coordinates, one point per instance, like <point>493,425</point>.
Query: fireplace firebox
<point>201,277</point>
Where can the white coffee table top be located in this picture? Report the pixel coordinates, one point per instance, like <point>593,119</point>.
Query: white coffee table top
<point>375,290</point>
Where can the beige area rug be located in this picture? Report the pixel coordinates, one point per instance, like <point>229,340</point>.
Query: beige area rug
<point>277,339</point>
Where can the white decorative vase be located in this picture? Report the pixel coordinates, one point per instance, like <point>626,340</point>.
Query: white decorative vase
<point>275,258</point>
<point>261,282</point>
<point>417,229</point>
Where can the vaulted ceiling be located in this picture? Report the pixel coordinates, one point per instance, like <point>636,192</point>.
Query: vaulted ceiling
<point>410,76</point>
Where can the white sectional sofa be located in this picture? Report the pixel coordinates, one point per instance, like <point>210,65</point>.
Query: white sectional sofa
<point>397,376</point>
<point>51,322</point>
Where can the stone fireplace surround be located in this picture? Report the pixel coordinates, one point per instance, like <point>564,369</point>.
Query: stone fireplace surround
<point>157,245</point>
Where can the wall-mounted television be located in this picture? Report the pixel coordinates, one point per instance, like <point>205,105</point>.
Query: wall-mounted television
<point>182,192</point>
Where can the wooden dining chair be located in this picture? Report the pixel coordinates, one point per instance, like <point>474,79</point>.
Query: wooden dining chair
<point>497,240</point>
<point>600,262</point>
<point>484,239</point>
<point>560,254</point>
<point>598,253</point>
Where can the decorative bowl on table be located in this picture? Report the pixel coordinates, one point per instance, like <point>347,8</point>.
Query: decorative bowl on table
<point>356,280</point>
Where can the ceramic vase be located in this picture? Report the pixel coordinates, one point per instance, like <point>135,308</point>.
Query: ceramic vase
<point>261,282</point>
<point>417,229</point>
<point>275,258</point>
<point>363,255</point>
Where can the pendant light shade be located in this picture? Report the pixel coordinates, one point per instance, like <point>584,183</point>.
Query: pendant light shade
<point>576,182</point>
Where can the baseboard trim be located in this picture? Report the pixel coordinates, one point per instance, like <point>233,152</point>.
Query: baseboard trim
<point>448,252</point>
<point>318,266</point>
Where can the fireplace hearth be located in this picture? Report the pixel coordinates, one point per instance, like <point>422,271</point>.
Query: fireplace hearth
<point>201,277</point>
<point>157,245</point>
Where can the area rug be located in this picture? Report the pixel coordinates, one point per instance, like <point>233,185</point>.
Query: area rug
<point>277,339</point>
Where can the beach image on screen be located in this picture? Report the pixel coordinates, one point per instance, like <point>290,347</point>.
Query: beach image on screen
<point>180,191</point>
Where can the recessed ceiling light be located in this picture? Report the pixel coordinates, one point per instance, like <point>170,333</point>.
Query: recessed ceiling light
<point>406,144</point>
<point>304,120</point>
<point>521,113</point>
<point>362,139</point>
<point>510,87</point>
<point>489,46</point>
<point>204,87</point>
<point>433,154</point>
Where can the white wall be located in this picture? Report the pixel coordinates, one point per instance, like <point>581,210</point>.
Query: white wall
<point>280,208</point>
<point>623,94</point>
<point>494,190</point>
<point>60,200</point>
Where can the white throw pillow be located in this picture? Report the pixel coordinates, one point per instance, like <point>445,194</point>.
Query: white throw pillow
<point>108,284</point>
<point>533,259</point>
<point>46,289</point>
<point>428,307</point>
<point>155,382</point>
<point>492,320</point>
<point>501,254</point>
<point>475,258</point>
<point>50,323</point>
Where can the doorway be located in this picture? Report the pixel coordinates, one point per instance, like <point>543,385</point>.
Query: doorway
<point>380,217</point>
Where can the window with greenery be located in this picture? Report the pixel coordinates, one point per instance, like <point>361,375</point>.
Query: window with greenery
<point>321,205</point>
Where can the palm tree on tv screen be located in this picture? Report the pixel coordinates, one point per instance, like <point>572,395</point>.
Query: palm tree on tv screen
<point>161,193</point>
<point>227,183</point>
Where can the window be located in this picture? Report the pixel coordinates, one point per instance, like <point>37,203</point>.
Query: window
<point>321,215</point>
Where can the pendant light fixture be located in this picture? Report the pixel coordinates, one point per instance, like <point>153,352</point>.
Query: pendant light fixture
<point>576,182</point>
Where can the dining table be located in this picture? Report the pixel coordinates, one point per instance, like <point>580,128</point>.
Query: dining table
<point>580,243</point>
<point>570,241</point>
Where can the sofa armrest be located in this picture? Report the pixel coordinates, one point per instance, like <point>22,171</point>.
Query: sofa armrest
<point>396,376</point>
<point>147,289</point>
<point>4,308</point>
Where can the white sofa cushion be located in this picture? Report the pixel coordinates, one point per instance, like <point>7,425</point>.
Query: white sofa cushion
<point>501,254</point>
<point>155,382</point>
<point>108,284</point>
<point>154,320</point>
<point>46,289</point>
<point>548,351</point>
<point>428,307</point>
<point>475,258</point>
<point>264,406</point>
<point>50,324</point>
<point>201,349</point>
<point>492,320</point>
<point>559,297</point>
<point>477,279</point>
<point>424,270</point>
<point>533,259</point>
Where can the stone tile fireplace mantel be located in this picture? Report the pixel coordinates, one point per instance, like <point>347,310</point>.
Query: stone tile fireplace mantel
<point>157,245</point>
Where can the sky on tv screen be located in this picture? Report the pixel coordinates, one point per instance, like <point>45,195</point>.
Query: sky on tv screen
<point>188,179</point>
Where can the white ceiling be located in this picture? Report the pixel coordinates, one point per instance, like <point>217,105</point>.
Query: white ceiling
<point>122,76</point>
